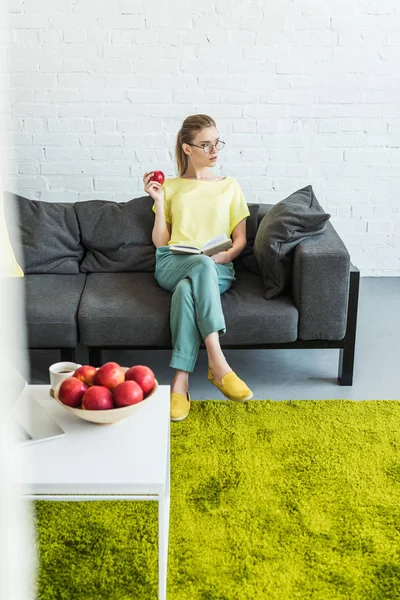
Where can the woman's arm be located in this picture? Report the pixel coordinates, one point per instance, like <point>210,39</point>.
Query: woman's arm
<point>239,240</point>
<point>239,244</point>
<point>161,233</point>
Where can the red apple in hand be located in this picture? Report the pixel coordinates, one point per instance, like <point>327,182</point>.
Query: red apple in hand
<point>71,391</point>
<point>86,374</point>
<point>144,376</point>
<point>127,393</point>
<point>97,397</point>
<point>158,176</point>
<point>109,375</point>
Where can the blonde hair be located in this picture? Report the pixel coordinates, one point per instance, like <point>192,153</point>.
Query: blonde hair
<point>190,127</point>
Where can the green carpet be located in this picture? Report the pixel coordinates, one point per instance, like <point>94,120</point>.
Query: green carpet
<point>269,500</point>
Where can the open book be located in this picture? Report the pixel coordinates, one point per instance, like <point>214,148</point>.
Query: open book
<point>218,244</point>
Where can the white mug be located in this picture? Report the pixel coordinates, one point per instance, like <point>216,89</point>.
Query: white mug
<point>60,371</point>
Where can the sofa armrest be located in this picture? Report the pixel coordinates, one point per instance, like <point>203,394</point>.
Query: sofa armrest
<point>320,286</point>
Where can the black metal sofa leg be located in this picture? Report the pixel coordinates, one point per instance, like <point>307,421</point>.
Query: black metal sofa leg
<point>346,354</point>
<point>67,354</point>
<point>94,357</point>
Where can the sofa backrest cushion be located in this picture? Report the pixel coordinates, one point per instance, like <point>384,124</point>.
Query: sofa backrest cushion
<point>117,235</point>
<point>288,222</point>
<point>49,235</point>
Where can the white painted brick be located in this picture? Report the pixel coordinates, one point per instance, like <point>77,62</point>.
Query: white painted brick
<point>36,80</point>
<point>55,154</point>
<point>50,38</point>
<point>11,124</point>
<point>121,22</point>
<point>20,139</point>
<point>119,37</point>
<point>55,139</point>
<point>323,38</point>
<point>141,140</point>
<point>130,80</point>
<point>379,226</point>
<point>15,6</point>
<point>112,183</point>
<point>35,125</point>
<point>25,37</point>
<point>19,184</point>
<point>388,23</point>
<point>27,153</point>
<point>244,126</point>
<point>266,126</point>
<point>132,7</point>
<point>9,167</point>
<point>127,110</point>
<point>356,24</point>
<point>101,139</point>
<point>52,96</point>
<point>25,21</point>
<point>80,110</point>
<point>98,36</point>
<point>377,155</point>
<point>74,36</point>
<point>90,7</point>
<point>28,168</point>
<point>102,94</point>
<point>51,64</point>
<point>104,126</point>
<point>351,225</point>
<point>61,168</point>
<point>22,65</point>
<point>69,182</point>
<point>393,39</point>
<point>309,22</point>
<point>62,125</point>
<point>72,21</point>
<point>55,196</point>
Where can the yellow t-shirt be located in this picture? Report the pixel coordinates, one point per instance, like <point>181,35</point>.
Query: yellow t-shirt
<point>200,210</point>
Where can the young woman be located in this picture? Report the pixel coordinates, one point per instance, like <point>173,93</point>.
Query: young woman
<point>194,208</point>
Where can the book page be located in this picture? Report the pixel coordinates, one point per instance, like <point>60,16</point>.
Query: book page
<point>215,241</point>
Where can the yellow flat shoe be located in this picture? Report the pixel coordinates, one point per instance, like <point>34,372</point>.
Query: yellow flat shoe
<point>232,387</point>
<point>180,406</point>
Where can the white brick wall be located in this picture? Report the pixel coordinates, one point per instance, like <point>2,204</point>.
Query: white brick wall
<point>302,92</point>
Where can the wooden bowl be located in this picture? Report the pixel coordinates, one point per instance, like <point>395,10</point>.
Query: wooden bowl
<point>105,417</point>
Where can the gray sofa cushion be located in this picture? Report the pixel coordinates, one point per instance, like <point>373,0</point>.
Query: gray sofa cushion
<point>117,235</point>
<point>282,228</point>
<point>49,235</point>
<point>51,307</point>
<point>124,309</point>
<point>131,309</point>
<point>252,320</point>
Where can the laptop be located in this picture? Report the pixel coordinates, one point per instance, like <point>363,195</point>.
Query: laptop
<point>32,423</point>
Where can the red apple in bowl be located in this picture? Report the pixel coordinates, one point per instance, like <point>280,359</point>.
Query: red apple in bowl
<point>158,176</point>
<point>71,391</point>
<point>86,374</point>
<point>97,397</point>
<point>109,375</point>
<point>143,375</point>
<point>127,393</point>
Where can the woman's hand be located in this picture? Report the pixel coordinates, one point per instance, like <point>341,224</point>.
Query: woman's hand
<point>153,188</point>
<point>221,258</point>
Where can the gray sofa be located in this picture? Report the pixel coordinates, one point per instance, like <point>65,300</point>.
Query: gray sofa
<point>89,279</point>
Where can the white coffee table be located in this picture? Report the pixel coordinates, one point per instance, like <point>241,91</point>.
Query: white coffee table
<point>129,460</point>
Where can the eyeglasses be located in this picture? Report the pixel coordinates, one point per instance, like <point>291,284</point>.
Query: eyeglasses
<point>208,146</point>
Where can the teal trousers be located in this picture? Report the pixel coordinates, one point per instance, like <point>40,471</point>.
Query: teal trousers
<point>196,283</point>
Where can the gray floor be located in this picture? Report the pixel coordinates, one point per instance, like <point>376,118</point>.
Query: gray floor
<point>293,374</point>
